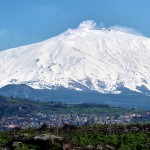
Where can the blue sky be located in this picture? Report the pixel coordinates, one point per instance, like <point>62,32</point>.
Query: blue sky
<point>27,21</point>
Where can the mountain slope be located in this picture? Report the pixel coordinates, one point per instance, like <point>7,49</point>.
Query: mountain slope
<point>126,99</point>
<point>83,59</point>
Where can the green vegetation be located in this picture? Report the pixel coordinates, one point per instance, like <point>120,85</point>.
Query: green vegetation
<point>10,106</point>
<point>104,136</point>
<point>4,138</point>
<point>119,137</point>
<point>121,141</point>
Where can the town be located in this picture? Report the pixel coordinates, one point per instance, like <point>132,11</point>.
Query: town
<point>25,113</point>
<point>54,120</point>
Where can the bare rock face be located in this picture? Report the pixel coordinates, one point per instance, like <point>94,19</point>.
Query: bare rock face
<point>47,137</point>
<point>44,141</point>
<point>98,147</point>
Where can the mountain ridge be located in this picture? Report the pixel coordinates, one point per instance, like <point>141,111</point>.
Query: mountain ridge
<point>127,98</point>
<point>82,59</point>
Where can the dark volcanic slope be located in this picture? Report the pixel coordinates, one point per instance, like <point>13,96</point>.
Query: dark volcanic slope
<point>73,96</point>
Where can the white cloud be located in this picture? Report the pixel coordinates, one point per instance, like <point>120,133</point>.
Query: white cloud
<point>89,24</point>
<point>126,30</point>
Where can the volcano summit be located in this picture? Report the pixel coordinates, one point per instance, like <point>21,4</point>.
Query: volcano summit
<point>103,60</point>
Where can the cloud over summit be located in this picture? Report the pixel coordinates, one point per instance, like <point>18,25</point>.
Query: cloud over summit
<point>91,25</point>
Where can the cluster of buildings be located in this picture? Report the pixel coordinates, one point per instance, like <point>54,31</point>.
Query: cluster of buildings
<point>37,120</point>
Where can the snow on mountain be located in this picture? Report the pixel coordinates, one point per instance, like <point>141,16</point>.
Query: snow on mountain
<point>82,58</point>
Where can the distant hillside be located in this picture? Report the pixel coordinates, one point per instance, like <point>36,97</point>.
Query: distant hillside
<point>125,99</point>
<point>10,106</point>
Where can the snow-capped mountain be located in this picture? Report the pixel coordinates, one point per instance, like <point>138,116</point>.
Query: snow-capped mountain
<point>84,58</point>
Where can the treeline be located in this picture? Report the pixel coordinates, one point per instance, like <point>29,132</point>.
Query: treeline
<point>10,106</point>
